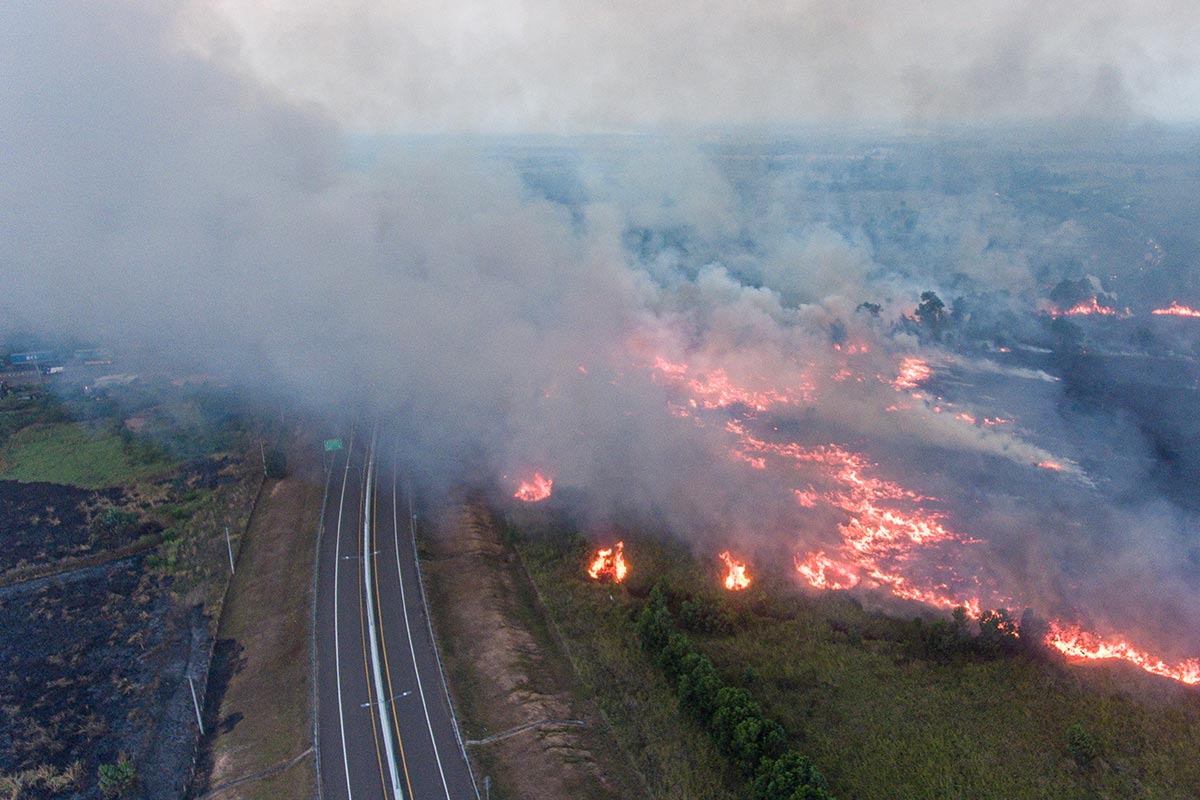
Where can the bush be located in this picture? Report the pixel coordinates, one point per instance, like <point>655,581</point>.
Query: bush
<point>275,463</point>
<point>118,780</point>
<point>1081,745</point>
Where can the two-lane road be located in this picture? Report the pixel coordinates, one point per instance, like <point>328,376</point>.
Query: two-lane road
<point>384,726</point>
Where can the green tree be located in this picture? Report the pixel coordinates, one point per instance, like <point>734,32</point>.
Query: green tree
<point>931,313</point>
<point>789,777</point>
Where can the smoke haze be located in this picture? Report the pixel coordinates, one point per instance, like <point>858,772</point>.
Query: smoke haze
<point>186,183</point>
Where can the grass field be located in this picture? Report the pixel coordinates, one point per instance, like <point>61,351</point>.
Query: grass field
<point>83,456</point>
<point>878,720</point>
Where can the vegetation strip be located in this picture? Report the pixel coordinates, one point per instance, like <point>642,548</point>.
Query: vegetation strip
<point>757,746</point>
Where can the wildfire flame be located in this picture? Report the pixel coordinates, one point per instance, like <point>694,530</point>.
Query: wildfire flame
<point>1089,308</point>
<point>913,372</point>
<point>891,538</point>
<point>823,572</point>
<point>609,564</point>
<point>1073,641</point>
<point>535,489</point>
<point>1176,309</point>
<point>736,579</point>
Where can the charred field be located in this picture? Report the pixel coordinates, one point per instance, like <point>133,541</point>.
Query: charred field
<point>107,599</point>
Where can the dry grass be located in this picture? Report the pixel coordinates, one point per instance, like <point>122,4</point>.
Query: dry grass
<point>264,717</point>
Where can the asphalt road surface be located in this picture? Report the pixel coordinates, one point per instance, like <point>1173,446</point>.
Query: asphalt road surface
<point>384,726</point>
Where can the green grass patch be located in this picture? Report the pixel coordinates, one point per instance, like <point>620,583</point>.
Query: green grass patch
<point>68,453</point>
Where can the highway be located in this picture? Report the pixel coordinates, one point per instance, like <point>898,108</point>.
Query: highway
<point>383,722</point>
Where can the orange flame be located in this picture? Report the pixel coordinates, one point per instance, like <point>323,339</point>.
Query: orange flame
<point>825,573</point>
<point>535,489</point>
<point>609,563</point>
<point>913,372</point>
<point>1176,309</point>
<point>736,579</point>
<point>1074,642</point>
<point>1089,308</point>
<point>890,540</point>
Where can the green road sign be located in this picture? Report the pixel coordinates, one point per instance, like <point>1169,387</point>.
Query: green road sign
<point>333,444</point>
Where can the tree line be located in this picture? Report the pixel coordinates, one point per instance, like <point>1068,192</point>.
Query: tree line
<point>756,745</point>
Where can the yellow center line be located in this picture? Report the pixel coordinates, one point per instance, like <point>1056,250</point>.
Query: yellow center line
<point>362,627</point>
<point>383,640</point>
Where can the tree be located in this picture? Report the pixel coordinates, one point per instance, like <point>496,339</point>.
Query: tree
<point>931,313</point>
<point>789,777</point>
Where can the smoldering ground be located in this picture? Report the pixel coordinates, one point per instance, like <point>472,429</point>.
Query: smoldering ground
<point>157,198</point>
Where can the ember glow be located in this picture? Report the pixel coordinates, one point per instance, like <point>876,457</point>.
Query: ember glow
<point>1050,465</point>
<point>736,578</point>
<point>535,489</point>
<point>1077,643</point>
<point>609,564</point>
<point>1176,310</point>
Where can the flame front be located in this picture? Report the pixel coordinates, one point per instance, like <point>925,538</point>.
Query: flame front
<point>1074,642</point>
<point>736,578</point>
<point>609,564</point>
<point>535,489</point>
<point>1089,308</point>
<point>1176,309</point>
<point>890,538</point>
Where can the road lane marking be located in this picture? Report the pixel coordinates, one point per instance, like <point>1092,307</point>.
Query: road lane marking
<point>408,629</point>
<point>337,650</point>
<point>383,639</point>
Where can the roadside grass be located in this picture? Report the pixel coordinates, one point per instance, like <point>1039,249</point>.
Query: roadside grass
<point>261,715</point>
<point>64,452</point>
<point>877,720</point>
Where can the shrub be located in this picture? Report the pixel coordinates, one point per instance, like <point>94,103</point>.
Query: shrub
<point>118,780</point>
<point>1081,745</point>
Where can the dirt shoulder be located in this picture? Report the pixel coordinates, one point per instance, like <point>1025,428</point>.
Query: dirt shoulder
<point>258,715</point>
<point>507,670</point>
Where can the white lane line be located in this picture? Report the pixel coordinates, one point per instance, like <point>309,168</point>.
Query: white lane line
<point>408,629</point>
<point>337,649</point>
<point>384,720</point>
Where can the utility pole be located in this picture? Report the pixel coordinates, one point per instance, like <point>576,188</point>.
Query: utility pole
<point>196,705</point>
<point>229,547</point>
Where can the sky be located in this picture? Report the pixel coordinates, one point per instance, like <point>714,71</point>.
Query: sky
<point>571,66</point>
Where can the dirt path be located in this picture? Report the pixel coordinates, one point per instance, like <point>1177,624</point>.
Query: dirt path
<point>508,674</point>
<point>258,713</point>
